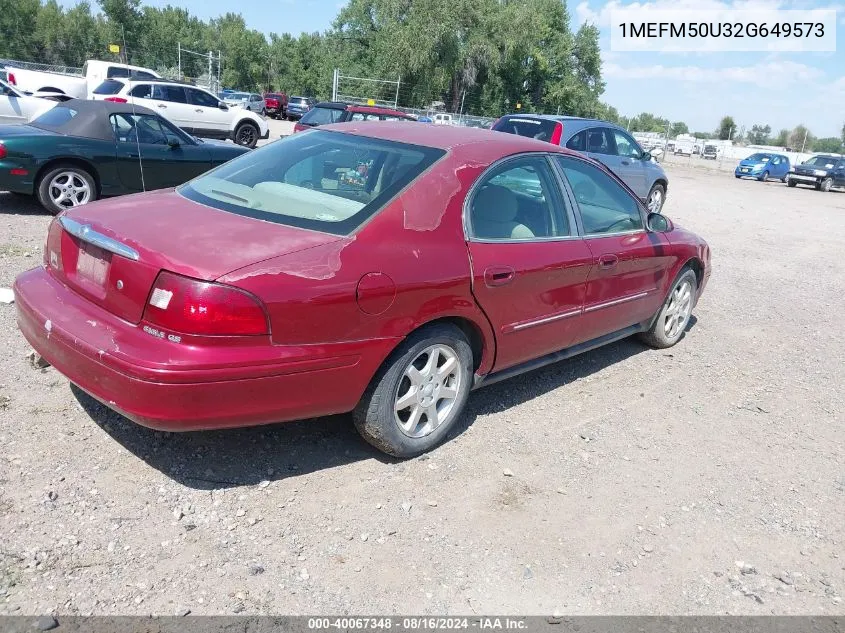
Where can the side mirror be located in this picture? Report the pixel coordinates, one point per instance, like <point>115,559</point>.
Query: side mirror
<point>659,223</point>
<point>223,106</point>
<point>646,156</point>
<point>173,143</point>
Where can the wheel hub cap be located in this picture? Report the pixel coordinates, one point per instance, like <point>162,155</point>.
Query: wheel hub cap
<point>428,391</point>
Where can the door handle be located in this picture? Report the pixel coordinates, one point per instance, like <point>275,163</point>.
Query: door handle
<point>606,262</point>
<point>498,276</point>
<point>161,105</point>
<point>625,162</point>
<point>198,110</point>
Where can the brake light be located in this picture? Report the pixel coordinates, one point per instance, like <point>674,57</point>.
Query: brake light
<point>3,152</point>
<point>557,134</point>
<point>191,306</point>
<point>116,99</point>
<point>10,78</point>
<point>495,123</point>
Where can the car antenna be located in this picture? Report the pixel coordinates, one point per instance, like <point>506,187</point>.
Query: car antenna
<point>135,120</point>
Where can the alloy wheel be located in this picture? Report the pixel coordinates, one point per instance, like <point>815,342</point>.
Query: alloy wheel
<point>68,189</point>
<point>428,390</point>
<point>655,201</point>
<point>678,310</point>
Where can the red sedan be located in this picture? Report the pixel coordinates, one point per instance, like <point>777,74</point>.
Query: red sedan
<point>381,268</point>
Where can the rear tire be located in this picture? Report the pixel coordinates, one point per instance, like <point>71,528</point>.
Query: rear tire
<point>430,373</point>
<point>669,325</point>
<point>826,184</point>
<point>65,186</point>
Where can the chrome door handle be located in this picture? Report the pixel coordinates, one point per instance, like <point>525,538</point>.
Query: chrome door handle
<point>161,105</point>
<point>607,262</point>
<point>198,110</point>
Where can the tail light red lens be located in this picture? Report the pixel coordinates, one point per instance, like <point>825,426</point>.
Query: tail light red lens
<point>190,306</point>
<point>557,134</point>
<point>3,152</point>
<point>10,77</point>
<point>116,99</point>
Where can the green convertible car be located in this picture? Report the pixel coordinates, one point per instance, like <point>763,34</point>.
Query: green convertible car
<point>80,151</point>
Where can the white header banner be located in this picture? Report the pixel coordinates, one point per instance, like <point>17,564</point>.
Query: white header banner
<point>728,30</point>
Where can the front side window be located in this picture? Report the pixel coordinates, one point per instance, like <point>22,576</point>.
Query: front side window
<point>202,98</point>
<point>626,146</point>
<point>142,128</point>
<point>605,206</point>
<point>518,200</point>
<point>324,181</point>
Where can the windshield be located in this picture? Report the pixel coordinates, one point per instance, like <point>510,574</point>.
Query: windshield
<point>758,158</point>
<point>323,181</point>
<point>322,116</point>
<point>533,128</point>
<point>821,161</point>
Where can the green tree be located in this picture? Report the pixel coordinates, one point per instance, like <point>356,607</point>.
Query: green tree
<point>800,138</point>
<point>782,139</point>
<point>706,136</point>
<point>843,133</point>
<point>678,127</point>
<point>759,134</point>
<point>17,28</point>
<point>830,145</point>
<point>726,128</point>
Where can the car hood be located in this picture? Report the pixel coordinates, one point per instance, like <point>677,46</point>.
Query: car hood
<point>173,233</point>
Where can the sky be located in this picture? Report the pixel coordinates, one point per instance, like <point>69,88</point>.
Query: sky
<point>778,89</point>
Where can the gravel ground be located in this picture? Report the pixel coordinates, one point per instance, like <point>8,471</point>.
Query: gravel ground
<point>704,479</point>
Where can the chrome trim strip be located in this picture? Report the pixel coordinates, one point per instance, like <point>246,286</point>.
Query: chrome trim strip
<point>549,319</point>
<point>85,233</point>
<point>595,236</point>
<point>608,304</point>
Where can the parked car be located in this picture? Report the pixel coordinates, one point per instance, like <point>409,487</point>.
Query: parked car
<point>683,148</point>
<point>94,72</point>
<point>193,109</point>
<point>276,103</point>
<point>81,150</point>
<point>298,106</point>
<point>710,152</point>
<point>763,166</point>
<point>247,100</point>
<point>383,268</point>
<point>601,140</point>
<point>327,112</point>
<point>822,171</point>
<point>441,118</point>
<point>17,107</point>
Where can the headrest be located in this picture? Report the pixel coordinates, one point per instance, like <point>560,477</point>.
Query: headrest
<point>495,203</point>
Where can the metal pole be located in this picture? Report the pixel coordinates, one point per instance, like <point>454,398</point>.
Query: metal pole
<point>396,100</point>
<point>179,56</point>
<point>335,75</point>
<point>219,69</point>
<point>463,96</point>
<point>804,142</point>
<point>210,66</point>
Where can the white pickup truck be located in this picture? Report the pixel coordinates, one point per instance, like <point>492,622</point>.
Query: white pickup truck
<point>94,72</point>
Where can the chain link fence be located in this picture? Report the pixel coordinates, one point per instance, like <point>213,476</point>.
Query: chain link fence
<point>48,68</point>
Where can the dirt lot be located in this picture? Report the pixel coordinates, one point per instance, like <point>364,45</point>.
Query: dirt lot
<point>706,479</point>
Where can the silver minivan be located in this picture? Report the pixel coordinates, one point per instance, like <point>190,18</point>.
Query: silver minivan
<point>601,140</point>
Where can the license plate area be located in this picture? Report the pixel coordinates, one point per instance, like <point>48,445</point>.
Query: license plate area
<point>92,265</point>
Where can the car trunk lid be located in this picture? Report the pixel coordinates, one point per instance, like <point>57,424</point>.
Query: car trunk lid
<point>112,252</point>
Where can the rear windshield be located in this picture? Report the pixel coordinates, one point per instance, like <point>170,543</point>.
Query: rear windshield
<point>533,128</point>
<point>109,87</point>
<point>322,116</point>
<point>323,181</point>
<point>55,118</point>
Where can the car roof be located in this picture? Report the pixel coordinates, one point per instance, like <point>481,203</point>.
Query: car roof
<point>92,118</point>
<point>483,144</point>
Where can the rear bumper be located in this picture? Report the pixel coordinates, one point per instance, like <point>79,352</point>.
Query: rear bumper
<point>175,387</point>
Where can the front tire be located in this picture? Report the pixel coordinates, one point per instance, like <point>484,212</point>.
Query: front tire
<point>791,182</point>
<point>65,187</point>
<point>246,134</point>
<point>826,184</point>
<point>764,177</point>
<point>418,394</point>
<point>656,198</point>
<point>671,321</point>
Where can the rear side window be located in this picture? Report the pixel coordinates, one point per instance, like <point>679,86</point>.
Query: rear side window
<point>600,140</point>
<point>109,87</point>
<point>202,98</point>
<point>174,94</point>
<point>541,129</point>
<point>323,116</point>
<point>323,181</point>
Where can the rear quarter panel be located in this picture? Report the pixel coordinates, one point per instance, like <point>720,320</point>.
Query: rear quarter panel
<point>416,264</point>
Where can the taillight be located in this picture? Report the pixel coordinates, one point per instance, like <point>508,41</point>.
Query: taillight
<point>557,134</point>
<point>3,152</point>
<point>190,306</point>
<point>495,123</point>
<point>10,78</point>
<point>116,99</point>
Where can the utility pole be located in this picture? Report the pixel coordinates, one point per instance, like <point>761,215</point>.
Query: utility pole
<point>396,99</point>
<point>179,57</point>
<point>210,66</point>
<point>804,142</point>
<point>463,96</point>
<point>219,70</point>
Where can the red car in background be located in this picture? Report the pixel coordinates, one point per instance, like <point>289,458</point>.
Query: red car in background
<point>384,269</point>
<point>276,104</point>
<point>328,112</point>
